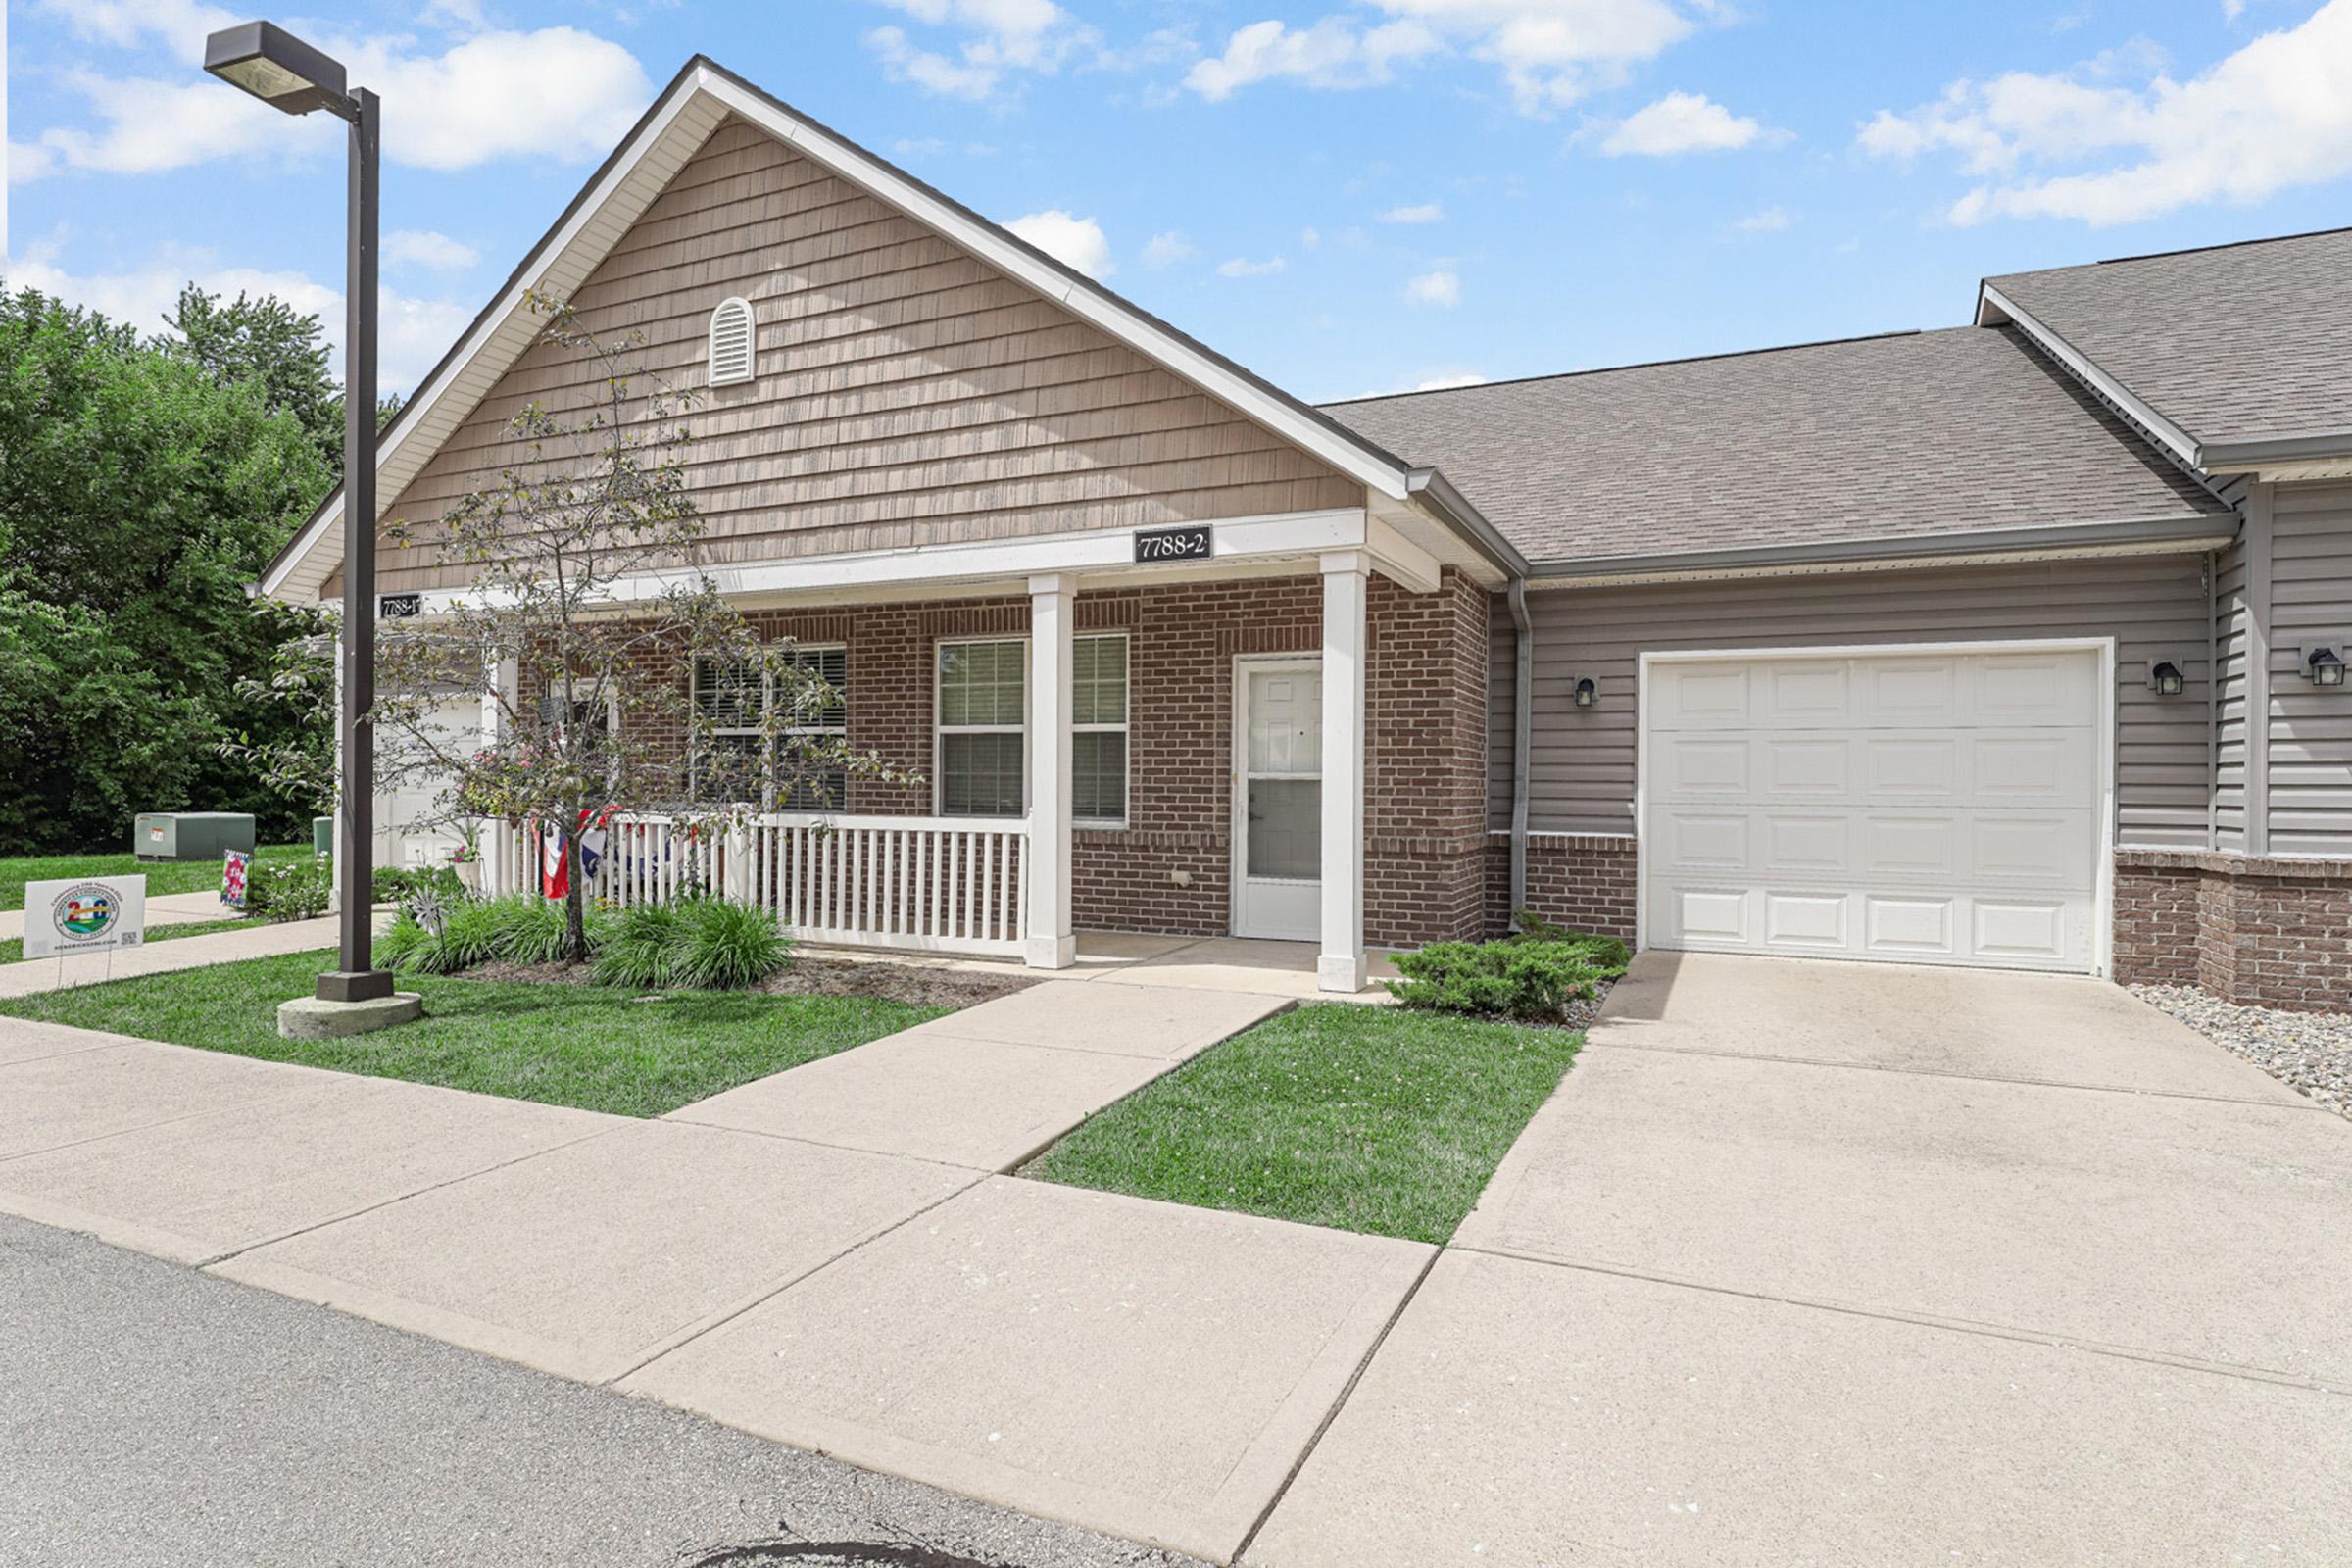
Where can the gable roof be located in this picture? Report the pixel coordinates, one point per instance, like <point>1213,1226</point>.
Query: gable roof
<point>1916,435</point>
<point>697,101</point>
<point>2227,354</point>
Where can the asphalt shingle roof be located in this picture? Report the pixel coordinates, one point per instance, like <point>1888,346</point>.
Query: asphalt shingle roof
<point>1873,438</point>
<point>2230,344</point>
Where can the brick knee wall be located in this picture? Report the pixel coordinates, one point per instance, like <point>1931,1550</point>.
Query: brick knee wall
<point>2267,931</point>
<point>1581,881</point>
<point>1169,869</point>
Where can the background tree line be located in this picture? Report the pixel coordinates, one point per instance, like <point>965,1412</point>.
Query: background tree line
<point>144,482</point>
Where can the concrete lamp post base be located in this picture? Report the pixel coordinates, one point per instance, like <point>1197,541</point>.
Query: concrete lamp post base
<point>317,1018</point>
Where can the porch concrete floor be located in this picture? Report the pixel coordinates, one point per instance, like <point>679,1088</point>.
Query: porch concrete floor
<point>1205,964</point>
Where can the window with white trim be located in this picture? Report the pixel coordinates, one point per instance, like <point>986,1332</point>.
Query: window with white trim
<point>1098,731</point>
<point>983,723</point>
<point>734,354</point>
<point>983,727</point>
<point>734,709</point>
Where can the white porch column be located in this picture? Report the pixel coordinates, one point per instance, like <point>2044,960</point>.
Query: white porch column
<point>1346,583</point>
<point>1051,943</point>
<point>498,689</point>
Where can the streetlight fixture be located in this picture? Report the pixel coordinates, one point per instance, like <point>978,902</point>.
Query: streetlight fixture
<point>264,60</point>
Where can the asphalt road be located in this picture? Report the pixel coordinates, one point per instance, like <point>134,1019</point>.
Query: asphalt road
<point>152,1416</point>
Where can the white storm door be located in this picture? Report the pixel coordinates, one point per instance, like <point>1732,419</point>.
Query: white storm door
<point>1907,807</point>
<point>1278,799</point>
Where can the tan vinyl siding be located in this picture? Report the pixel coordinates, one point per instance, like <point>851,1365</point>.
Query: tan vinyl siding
<point>2311,728</point>
<point>1583,764</point>
<point>906,394</point>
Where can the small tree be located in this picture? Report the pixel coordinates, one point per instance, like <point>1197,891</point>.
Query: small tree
<point>585,578</point>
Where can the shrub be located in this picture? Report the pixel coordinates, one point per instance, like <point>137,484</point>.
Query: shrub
<point>1515,978</point>
<point>1606,953</point>
<point>637,955</point>
<point>398,884</point>
<point>433,934</point>
<point>726,947</point>
<point>296,889</point>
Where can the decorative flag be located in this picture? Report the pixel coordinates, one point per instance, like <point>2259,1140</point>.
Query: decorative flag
<point>232,879</point>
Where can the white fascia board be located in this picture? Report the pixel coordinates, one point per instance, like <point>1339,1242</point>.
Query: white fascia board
<point>1994,307</point>
<point>1105,557</point>
<point>1089,305</point>
<point>493,321</point>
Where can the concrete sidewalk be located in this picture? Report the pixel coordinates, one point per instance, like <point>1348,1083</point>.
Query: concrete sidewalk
<point>823,1255</point>
<point>259,941</point>
<point>1832,1262</point>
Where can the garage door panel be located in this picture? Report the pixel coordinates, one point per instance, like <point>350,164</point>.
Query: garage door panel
<point>1796,845</point>
<point>1901,807</point>
<point>1701,697</point>
<point>1692,769</point>
<point>1804,921</point>
<point>1920,926</point>
<point>1908,692</point>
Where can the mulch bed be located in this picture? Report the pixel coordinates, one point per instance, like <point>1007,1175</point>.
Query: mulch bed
<point>806,976</point>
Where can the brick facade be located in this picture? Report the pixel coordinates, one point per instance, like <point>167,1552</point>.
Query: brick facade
<point>2270,931</point>
<point>1168,870</point>
<point>1584,881</point>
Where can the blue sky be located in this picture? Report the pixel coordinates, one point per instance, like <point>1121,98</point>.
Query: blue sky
<point>1348,197</point>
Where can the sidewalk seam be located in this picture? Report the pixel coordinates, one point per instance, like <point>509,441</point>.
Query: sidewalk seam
<point>1993,1330</point>
<point>2302,1103</point>
<point>1290,1476</point>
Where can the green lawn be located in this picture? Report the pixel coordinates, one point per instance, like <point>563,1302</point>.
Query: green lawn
<point>163,876</point>
<point>1373,1119</point>
<point>562,1045</point>
<point>13,949</point>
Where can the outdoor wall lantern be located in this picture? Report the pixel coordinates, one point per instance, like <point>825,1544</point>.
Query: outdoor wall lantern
<point>1586,691</point>
<point>2327,667</point>
<point>2164,679</point>
<point>264,60</point>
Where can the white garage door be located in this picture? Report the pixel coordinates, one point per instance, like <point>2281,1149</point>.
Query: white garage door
<point>1913,808</point>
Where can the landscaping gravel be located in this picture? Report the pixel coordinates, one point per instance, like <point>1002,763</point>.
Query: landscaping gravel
<point>2311,1051</point>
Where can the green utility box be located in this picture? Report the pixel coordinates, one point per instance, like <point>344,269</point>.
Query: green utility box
<point>322,835</point>
<point>190,835</point>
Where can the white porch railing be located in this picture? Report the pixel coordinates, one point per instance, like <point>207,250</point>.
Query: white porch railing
<point>923,883</point>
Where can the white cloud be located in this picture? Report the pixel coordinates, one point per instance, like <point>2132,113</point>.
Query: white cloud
<point>1441,288</point>
<point>1001,37</point>
<point>2272,116</point>
<point>558,93</point>
<point>1243,266</point>
<point>1550,52</point>
<point>1311,238</point>
<point>1769,221</point>
<point>1679,123</point>
<point>1167,250</point>
<point>1332,53</point>
<point>1446,379</point>
<point>424,247</point>
<point>412,333</point>
<point>1075,242</point>
<point>1425,213</point>
<point>178,25</point>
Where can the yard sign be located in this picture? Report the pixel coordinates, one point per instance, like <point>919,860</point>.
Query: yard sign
<point>84,914</point>
<point>233,870</point>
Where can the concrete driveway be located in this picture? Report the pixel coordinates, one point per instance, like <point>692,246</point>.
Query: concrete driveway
<point>1842,1263</point>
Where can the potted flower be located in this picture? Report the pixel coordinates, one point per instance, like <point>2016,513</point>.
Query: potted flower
<point>466,858</point>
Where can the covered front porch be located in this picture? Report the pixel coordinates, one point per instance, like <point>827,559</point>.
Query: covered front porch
<point>1196,756</point>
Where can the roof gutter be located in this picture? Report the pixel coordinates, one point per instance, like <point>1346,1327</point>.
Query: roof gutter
<point>1437,493</point>
<point>2262,452</point>
<point>2157,533</point>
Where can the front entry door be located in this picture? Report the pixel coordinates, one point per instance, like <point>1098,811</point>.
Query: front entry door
<point>1278,799</point>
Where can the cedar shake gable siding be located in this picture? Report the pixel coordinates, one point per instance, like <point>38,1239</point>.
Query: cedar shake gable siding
<point>906,393</point>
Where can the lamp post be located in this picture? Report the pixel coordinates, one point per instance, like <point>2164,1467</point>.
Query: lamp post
<point>281,70</point>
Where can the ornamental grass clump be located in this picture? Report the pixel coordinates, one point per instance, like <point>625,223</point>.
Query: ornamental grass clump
<point>637,955</point>
<point>1518,977</point>
<point>726,947</point>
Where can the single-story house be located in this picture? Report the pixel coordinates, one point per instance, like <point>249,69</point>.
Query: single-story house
<point>2018,643</point>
